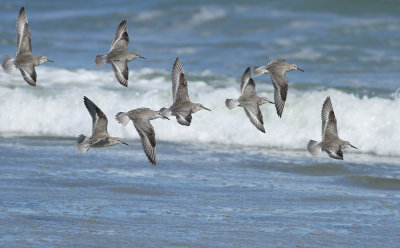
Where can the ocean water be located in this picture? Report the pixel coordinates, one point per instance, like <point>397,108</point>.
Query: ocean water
<point>219,182</point>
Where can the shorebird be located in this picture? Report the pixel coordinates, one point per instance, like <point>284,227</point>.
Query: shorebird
<point>118,56</point>
<point>331,143</point>
<point>24,59</point>
<point>182,108</point>
<point>141,118</point>
<point>277,69</point>
<point>100,137</point>
<point>249,101</point>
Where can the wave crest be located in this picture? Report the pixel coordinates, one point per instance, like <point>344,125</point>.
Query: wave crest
<point>55,107</point>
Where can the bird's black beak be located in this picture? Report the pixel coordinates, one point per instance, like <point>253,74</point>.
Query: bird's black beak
<point>142,57</point>
<point>354,147</point>
<point>298,68</point>
<point>206,108</point>
<point>48,60</point>
<point>124,143</point>
<point>271,102</point>
<point>164,117</point>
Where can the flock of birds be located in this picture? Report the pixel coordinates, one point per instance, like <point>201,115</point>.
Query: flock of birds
<point>182,107</point>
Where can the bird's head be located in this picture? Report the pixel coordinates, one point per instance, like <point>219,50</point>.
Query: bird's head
<point>265,100</point>
<point>347,144</point>
<point>199,106</point>
<point>166,112</point>
<point>115,140</point>
<point>162,113</point>
<point>294,67</point>
<point>134,55</point>
<point>44,59</point>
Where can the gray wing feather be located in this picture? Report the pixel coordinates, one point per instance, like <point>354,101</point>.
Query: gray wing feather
<point>250,88</point>
<point>99,119</point>
<point>177,70</point>
<point>23,34</point>
<point>121,38</point>
<point>335,153</point>
<point>100,142</point>
<point>148,137</point>
<point>247,86</point>
<point>280,84</point>
<point>329,123</point>
<point>28,73</point>
<point>253,112</point>
<point>184,118</point>
<point>182,94</point>
<point>121,71</point>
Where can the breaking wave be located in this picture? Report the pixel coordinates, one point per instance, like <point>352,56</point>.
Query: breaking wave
<point>55,108</point>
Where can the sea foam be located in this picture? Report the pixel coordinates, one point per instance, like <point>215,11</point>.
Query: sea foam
<point>55,108</point>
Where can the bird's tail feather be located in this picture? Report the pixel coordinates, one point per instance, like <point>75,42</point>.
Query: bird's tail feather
<point>81,143</point>
<point>8,64</point>
<point>314,147</point>
<point>100,60</point>
<point>122,118</point>
<point>231,103</point>
<point>258,70</point>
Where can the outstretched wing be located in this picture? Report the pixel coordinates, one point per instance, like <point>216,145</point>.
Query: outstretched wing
<point>179,83</point>
<point>29,74</point>
<point>182,94</point>
<point>148,137</point>
<point>329,123</point>
<point>23,34</point>
<point>280,84</point>
<point>99,119</point>
<point>253,112</point>
<point>247,86</point>
<point>335,153</point>
<point>121,71</point>
<point>184,118</point>
<point>121,38</point>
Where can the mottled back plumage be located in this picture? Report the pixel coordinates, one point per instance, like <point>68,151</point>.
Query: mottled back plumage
<point>249,101</point>
<point>277,70</point>
<point>118,56</point>
<point>141,120</point>
<point>182,108</point>
<point>331,143</point>
<point>100,137</point>
<point>25,60</point>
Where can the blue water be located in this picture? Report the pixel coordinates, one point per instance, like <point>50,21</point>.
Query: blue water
<point>215,196</point>
<point>219,182</point>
